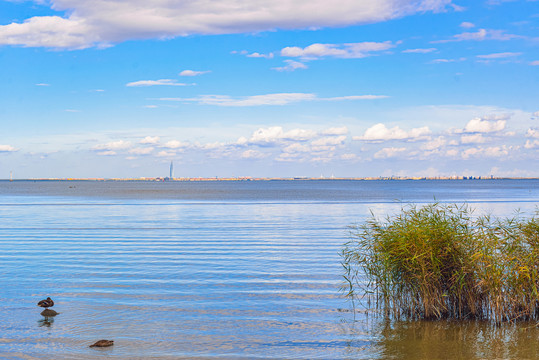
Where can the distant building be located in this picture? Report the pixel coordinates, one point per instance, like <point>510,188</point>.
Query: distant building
<point>171,171</point>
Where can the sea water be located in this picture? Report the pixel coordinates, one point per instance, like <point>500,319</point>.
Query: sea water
<point>219,269</point>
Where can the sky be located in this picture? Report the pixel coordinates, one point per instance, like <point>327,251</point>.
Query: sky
<point>269,88</point>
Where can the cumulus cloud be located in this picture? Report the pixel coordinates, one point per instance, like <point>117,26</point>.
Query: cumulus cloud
<point>389,152</point>
<point>150,140</point>
<point>533,133</point>
<point>161,82</point>
<point>101,23</point>
<point>434,144</point>
<point>267,99</point>
<point>113,146</point>
<point>253,154</point>
<point>531,144</point>
<point>290,66</point>
<point>486,124</point>
<point>346,51</point>
<point>7,148</point>
<point>175,144</point>
<point>380,132</point>
<point>329,141</point>
<point>193,73</point>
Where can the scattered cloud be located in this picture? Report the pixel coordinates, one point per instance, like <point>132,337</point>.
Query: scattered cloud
<point>102,23</point>
<point>258,55</point>
<point>380,132</point>
<point>253,154</point>
<point>494,151</point>
<point>533,133</point>
<point>502,55</point>
<point>291,65</point>
<point>7,148</point>
<point>112,146</point>
<point>141,151</point>
<point>444,61</point>
<point>175,144</point>
<point>335,131</point>
<point>532,144</point>
<point>481,35</point>
<point>472,139</point>
<point>268,99</point>
<point>43,84</point>
<point>161,82</point>
<point>276,134</point>
<point>389,152</point>
<point>467,25</point>
<point>420,51</point>
<point>534,63</point>
<point>150,140</point>
<point>193,72</point>
<point>345,51</point>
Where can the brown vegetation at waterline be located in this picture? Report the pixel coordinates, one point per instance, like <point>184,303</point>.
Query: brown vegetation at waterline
<point>441,262</point>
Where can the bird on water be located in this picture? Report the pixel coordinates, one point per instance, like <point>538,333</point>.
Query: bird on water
<point>47,303</point>
<point>103,343</point>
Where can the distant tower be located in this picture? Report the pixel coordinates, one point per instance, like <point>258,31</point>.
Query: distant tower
<point>171,171</point>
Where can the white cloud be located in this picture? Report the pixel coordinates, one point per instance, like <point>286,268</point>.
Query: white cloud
<point>481,35</point>
<point>380,132</point>
<point>101,23</point>
<point>329,141</point>
<point>150,140</point>
<point>495,151</point>
<point>532,144</point>
<point>486,124</point>
<point>161,82</point>
<point>114,145</point>
<point>502,55</point>
<point>536,114</point>
<point>291,65</point>
<point>389,152</point>
<point>107,153</point>
<point>276,134</point>
<point>193,73</point>
<point>434,144</point>
<point>141,151</point>
<point>258,55</point>
<point>535,63</point>
<point>175,144</point>
<point>472,139</point>
<point>43,84</point>
<point>420,51</point>
<point>7,148</point>
<point>268,99</point>
<point>166,153</point>
<point>533,133</point>
<point>335,131</point>
<point>253,154</point>
<point>346,51</point>
<point>467,25</point>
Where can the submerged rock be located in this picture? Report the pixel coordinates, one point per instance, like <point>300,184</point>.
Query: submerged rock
<point>49,312</point>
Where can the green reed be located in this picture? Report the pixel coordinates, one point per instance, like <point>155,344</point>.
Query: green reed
<point>442,262</point>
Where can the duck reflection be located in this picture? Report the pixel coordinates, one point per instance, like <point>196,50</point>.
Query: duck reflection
<point>47,321</point>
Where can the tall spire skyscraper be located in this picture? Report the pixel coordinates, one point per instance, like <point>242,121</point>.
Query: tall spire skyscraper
<point>171,171</point>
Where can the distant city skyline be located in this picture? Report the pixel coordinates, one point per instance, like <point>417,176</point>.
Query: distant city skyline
<point>129,89</point>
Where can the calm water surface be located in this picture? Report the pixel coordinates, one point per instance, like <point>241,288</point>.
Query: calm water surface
<point>219,270</point>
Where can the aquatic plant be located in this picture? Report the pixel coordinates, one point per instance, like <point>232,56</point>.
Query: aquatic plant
<point>442,262</point>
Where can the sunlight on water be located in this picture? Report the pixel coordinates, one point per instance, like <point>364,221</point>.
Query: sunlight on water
<point>208,276</point>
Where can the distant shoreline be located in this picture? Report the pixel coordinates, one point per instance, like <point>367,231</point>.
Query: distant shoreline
<point>202,179</point>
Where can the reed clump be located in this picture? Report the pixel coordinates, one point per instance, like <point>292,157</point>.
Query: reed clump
<point>441,262</point>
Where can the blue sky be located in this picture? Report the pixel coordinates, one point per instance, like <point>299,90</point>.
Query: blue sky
<point>269,88</point>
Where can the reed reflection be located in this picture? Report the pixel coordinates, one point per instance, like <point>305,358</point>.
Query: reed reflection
<point>456,340</point>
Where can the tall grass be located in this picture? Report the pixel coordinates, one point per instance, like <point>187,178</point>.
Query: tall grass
<point>442,262</point>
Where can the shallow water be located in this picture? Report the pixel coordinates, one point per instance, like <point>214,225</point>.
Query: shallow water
<point>217,270</point>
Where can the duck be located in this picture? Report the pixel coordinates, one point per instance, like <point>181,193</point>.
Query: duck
<point>103,343</point>
<point>47,303</point>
